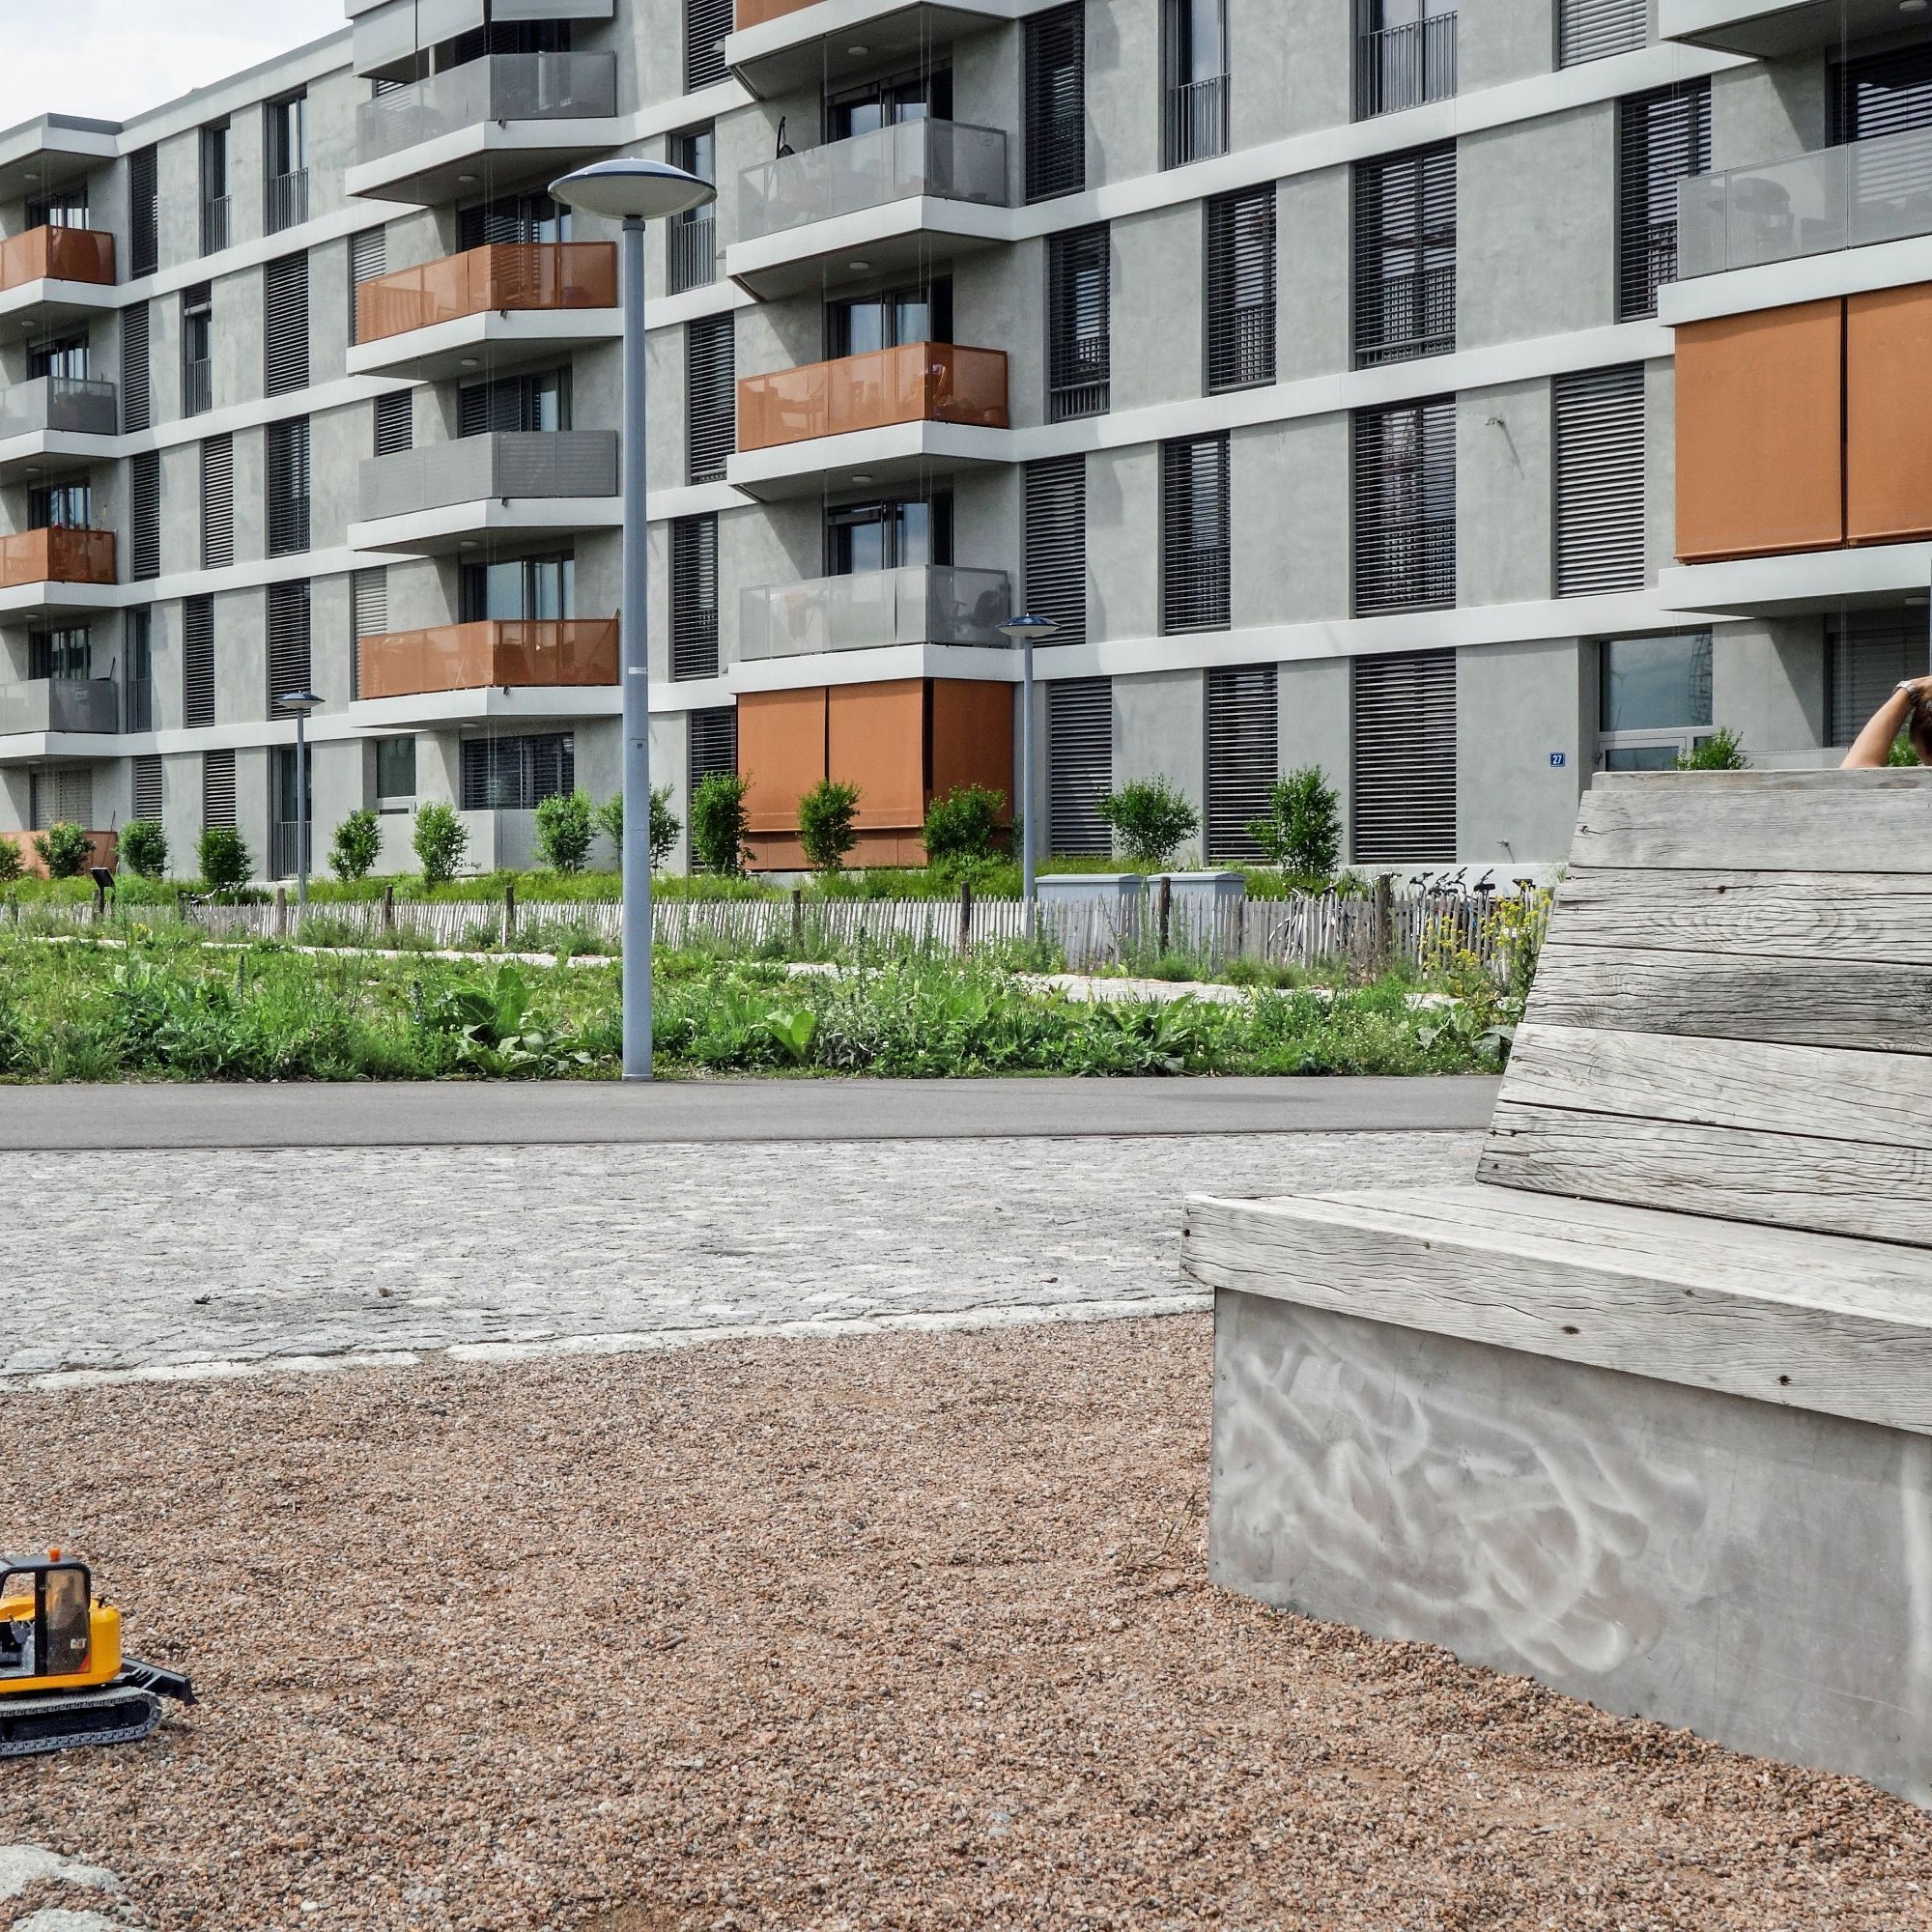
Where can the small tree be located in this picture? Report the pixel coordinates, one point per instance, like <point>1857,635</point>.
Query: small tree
<point>961,827</point>
<point>224,860</point>
<point>1721,751</point>
<point>63,850</point>
<point>11,864</point>
<point>665,825</point>
<point>1150,817</point>
<point>1302,832</point>
<point>143,847</point>
<point>565,828</point>
<point>440,840</point>
<point>826,828</point>
<point>718,822</point>
<point>356,846</point>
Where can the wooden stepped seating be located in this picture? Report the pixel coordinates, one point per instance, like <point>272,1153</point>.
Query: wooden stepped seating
<point>1645,1411</point>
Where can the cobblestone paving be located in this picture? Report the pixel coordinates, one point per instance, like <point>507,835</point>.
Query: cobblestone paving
<point>206,1263</point>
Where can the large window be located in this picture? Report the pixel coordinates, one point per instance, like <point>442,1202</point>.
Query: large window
<point>1079,305</point>
<point>290,669</point>
<point>285,163</point>
<point>144,212</point>
<point>517,774</point>
<point>1404,54</point>
<point>215,224</point>
<point>540,401</point>
<point>136,387</point>
<point>395,774</point>
<point>1882,94</point>
<point>144,515</point>
<point>1405,503</point>
<point>1055,86</point>
<point>891,317</point>
<point>288,492</point>
<point>889,533</point>
<point>285,330</point>
<point>1654,703</point>
<point>197,324</point>
<point>1405,256</point>
<point>690,250</point>
<point>1403,755</point>
<point>1195,49</point>
<point>513,218</point>
<point>218,503</point>
<point>518,590</point>
<point>66,654</point>
<point>1240,289</point>
<point>198,664</point>
<point>1662,138</point>
<point>1600,481</point>
<point>1194,534</point>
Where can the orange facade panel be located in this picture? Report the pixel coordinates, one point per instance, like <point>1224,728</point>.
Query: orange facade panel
<point>876,739</point>
<point>781,754</point>
<point>57,555</point>
<point>1760,433</point>
<point>467,657</point>
<point>1888,415</point>
<point>756,13</point>
<point>57,254</point>
<point>972,738</point>
<point>919,381</point>
<point>501,275</point>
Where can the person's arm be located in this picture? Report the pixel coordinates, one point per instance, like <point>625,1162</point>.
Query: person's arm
<point>1872,747</point>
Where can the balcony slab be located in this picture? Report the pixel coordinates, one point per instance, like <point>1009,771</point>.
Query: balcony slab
<point>896,235</point>
<point>527,704</point>
<point>1842,271</point>
<point>58,599</point>
<point>32,307</point>
<point>515,153</point>
<point>454,527</point>
<point>51,150</point>
<point>1774,32</point>
<point>882,665</point>
<point>900,452</point>
<point>499,341</point>
<point>41,747</point>
<point>50,452</point>
<point>812,47</point>
<point>1807,580</point>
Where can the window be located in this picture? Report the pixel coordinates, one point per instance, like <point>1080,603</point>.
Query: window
<point>60,208</point>
<point>1055,87</point>
<point>1403,751</point>
<point>1194,534</point>
<point>289,669</point>
<point>394,425</point>
<point>135,394</point>
<point>888,100</point>
<point>519,590</point>
<point>1599,487</point>
<point>1243,758</point>
<point>710,397</point>
<point>60,506</point>
<point>1404,54</point>
<point>198,663</point>
<point>512,217</point>
<point>1588,30</point>
<point>1654,702</point>
<point>706,22</point>
<point>214,222</point>
<point>63,796</point>
<point>1405,256</point>
<point>1405,504</point>
<point>217,788</point>
<point>395,774</point>
<point>144,515</point>
<point>1079,305</point>
<point>368,261</point>
<point>146,786</point>
<point>1240,289</point>
<point>693,597</point>
<point>1194,35</point>
<point>1056,544</point>
<point>64,357</point>
<point>218,503</point>
<point>513,403</point>
<point>285,325</point>
<point>517,774</point>
<point>67,654</point>
<point>1868,654</point>
<point>290,826</point>
<point>1080,765</point>
<point>891,317</point>
<point>368,617</point>
<point>197,323</point>
<point>1662,137</point>
<point>285,163</point>
<point>691,257</point>
<point>288,486</point>
<point>1882,94</point>
<point>144,212</point>
<point>138,679</point>
<point>713,745</point>
<point>889,533</point>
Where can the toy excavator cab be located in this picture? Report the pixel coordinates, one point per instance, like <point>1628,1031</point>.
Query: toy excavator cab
<point>45,1621</point>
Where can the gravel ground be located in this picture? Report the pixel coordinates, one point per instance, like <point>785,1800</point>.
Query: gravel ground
<point>903,1632</point>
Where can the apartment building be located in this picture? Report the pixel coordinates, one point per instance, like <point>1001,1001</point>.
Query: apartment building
<point>1463,402</point>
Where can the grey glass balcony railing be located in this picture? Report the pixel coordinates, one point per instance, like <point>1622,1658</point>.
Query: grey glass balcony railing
<point>922,604</point>
<point>499,87</point>
<point>79,406</point>
<point>945,159</point>
<point>508,463</point>
<point>1867,191</point>
<point>90,705</point>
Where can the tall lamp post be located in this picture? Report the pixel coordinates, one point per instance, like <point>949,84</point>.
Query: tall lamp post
<point>302,703</point>
<point>1027,632</point>
<point>634,192</point>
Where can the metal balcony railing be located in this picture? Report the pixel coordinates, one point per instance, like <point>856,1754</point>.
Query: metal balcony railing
<point>57,254</point>
<point>946,159</point>
<point>1867,191</point>
<point>1405,67</point>
<point>197,387</point>
<point>505,464</point>
<point>924,603</point>
<point>57,555</point>
<point>215,227</point>
<point>91,704</point>
<point>919,381</point>
<point>495,652</point>
<point>500,275</point>
<point>691,259</point>
<point>76,405</point>
<point>285,203</point>
<point>1406,316</point>
<point>1194,126</point>
<point>500,87</point>
<point>285,841</point>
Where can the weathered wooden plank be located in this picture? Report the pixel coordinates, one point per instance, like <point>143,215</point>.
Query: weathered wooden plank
<point>1863,1357</point>
<point>1816,1002</point>
<point>1882,1100</point>
<point>1785,1181</point>
<point>1883,917</point>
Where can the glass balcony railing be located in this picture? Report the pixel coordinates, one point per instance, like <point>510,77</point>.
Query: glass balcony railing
<point>57,254</point>
<point>501,275</point>
<point>946,159</point>
<point>756,13</point>
<point>1877,191</point>
<point>76,405</point>
<point>920,381</point>
<point>90,705</point>
<point>57,555</point>
<point>507,463</point>
<point>495,652</point>
<point>926,604</point>
<point>500,87</point>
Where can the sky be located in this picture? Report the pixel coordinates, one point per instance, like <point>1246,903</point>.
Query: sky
<point>108,59</point>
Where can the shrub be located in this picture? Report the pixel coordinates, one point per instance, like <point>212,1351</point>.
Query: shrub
<point>63,850</point>
<point>1302,832</point>
<point>1721,751</point>
<point>224,860</point>
<point>356,846</point>
<point>718,822</point>
<point>440,840</point>
<point>1902,751</point>
<point>565,828</point>
<point>825,824</point>
<point>144,848</point>
<point>1149,818</point>
<point>961,826</point>
<point>11,864</point>
<point>665,824</point>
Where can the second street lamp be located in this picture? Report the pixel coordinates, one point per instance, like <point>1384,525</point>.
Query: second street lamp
<point>302,703</point>
<point>1026,632</point>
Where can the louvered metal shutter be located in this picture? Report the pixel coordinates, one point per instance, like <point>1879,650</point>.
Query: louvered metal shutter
<point>197,662</point>
<point>1600,483</point>
<point>1405,504</point>
<point>136,385</point>
<point>1056,544</point>
<point>1241,289</point>
<point>706,22</point>
<point>285,325</point>
<point>368,261</point>
<point>144,515</point>
<point>713,746</point>
<point>368,617</point>
<point>73,795</point>
<point>1079,301</point>
<point>288,465</point>
<point>517,774</point>
<point>1402,810</point>
<point>396,427</point>
<point>144,212</point>
<point>1194,534</point>
<point>1079,765</point>
<point>148,787</point>
<point>289,662</point>
<point>1243,756</point>
<point>1882,94</point>
<point>1588,30</point>
<point>1662,137</point>
<point>218,503</point>
<point>693,597</point>
<point>711,396</point>
<point>217,788</point>
<point>1405,256</point>
<point>1868,652</point>
<point>1055,85</point>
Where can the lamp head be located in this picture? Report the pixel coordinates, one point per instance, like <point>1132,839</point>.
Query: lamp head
<point>629,189</point>
<point>1030,629</point>
<point>301,703</point>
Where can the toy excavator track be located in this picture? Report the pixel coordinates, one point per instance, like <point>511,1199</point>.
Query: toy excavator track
<point>119,1713</point>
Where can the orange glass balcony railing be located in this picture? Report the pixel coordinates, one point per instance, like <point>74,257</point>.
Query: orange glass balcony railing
<point>756,13</point>
<point>57,556</point>
<point>503,274</point>
<point>58,254</point>
<point>920,381</point>
<point>467,657</point>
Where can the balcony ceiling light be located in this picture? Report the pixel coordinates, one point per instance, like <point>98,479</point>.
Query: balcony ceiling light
<point>628,190</point>
<point>857,268</point>
<point>465,180</point>
<point>859,52</point>
<point>862,479</point>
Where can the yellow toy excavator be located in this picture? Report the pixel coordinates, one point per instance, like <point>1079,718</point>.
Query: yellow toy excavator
<point>63,1680</point>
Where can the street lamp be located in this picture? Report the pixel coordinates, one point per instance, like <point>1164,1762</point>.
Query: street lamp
<point>302,703</point>
<point>1026,632</point>
<point>634,192</point>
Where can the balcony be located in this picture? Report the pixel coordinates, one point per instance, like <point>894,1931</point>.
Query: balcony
<point>55,422</point>
<point>1195,124</point>
<point>1405,67</point>
<point>533,115</point>
<point>495,653</point>
<point>34,560</point>
<point>49,275</point>
<point>44,704</point>
<point>778,46</point>
<point>874,610</point>
<point>512,483</point>
<point>890,191</point>
<point>285,201</point>
<point>1772,31</point>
